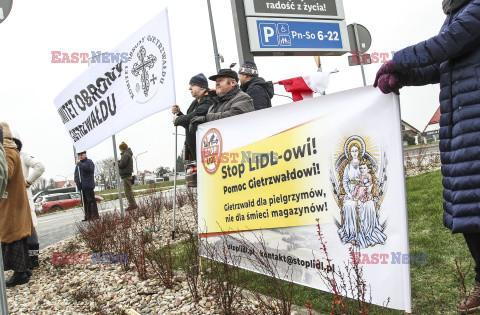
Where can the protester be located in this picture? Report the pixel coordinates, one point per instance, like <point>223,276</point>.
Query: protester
<point>84,178</point>
<point>3,167</point>
<point>451,58</point>
<point>15,218</point>
<point>29,162</point>
<point>230,100</point>
<point>256,87</point>
<point>125,166</point>
<point>199,107</point>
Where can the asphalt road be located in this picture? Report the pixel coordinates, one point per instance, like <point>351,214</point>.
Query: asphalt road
<point>58,226</point>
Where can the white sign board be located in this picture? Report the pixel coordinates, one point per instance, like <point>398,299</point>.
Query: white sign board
<point>335,161</point>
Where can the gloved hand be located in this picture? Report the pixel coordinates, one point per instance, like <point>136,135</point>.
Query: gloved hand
<point>195,122</point>
<point>388,83</point>
<point>386,68</point>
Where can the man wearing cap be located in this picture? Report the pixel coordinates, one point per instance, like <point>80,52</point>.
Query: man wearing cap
<point>84,178</point>
<point>256,87</point>
<point>125,165</point>
<point>199,107</point>
<point>230,100</point>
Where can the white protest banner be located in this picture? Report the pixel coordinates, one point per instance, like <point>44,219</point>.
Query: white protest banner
<point>329,166</point>
<point>120,88</point>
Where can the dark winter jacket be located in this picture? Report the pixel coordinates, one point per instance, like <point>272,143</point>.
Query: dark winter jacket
<point>86,180</point>
<point>197,108</point>
<point>452,58</point>
<point>235,102</point>
<point>125,165</point>
<point>260,91</point>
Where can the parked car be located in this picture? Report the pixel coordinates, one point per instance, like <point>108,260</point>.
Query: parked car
<point>55,202</point>
<point>191,173</point>
<point>55,191</point>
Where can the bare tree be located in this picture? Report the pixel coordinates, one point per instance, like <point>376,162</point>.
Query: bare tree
<point>106,171</point>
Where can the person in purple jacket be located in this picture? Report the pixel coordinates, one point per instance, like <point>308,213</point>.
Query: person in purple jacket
<point>451,58</point>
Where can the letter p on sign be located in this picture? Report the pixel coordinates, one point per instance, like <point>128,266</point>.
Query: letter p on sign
<point>268,34</point>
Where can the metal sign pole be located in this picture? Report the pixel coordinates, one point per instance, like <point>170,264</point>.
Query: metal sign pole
<point>117,172</point>
<point>241,31</point>
<point>174,186</point>
<point>214,40</point>
<point>357,40</point>
<point>3,289</point>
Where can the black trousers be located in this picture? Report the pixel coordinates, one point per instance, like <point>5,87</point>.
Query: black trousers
<point>190,141</point>
<point>473,243</point>
<point>90,204</point>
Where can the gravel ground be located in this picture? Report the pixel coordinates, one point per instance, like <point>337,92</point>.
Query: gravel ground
<point>87,287</point>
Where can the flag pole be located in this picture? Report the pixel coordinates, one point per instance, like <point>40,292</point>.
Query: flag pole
<point>174,185</point>
<point>117,173</point>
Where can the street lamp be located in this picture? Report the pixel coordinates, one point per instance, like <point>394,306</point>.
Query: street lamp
<point>135,157</point>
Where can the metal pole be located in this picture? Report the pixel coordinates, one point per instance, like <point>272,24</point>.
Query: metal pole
<point>357,40</point>
<point>214,40</point>
<point>117,171</point>
<point>136,165</point>
<point>81,192</point>
<point>3,288</point>
<point>75,157</point>
<point>174,185</point>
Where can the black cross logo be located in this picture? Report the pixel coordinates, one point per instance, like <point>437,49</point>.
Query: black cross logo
<point>143,66</point>
<point>154,78</point>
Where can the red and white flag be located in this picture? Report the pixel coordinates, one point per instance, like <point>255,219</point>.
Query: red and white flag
<point>304,86</point>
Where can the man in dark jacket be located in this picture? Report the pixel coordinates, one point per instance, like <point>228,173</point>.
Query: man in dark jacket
<point>84,178</point>
<point>451,58</point>
<point>230,100</point>
<point>256,87</point>
<point>125,165</point>
<point>199,107</point>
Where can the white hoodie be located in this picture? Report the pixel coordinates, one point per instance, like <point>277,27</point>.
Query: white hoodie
<point>37,169</point>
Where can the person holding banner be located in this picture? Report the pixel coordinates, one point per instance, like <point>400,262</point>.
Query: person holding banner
<point>451,58</point>
<point>199,107</point>
<point>256,87</point>
<point>15,218</point>
<point>230,100</point>
<point>84,178</point>
<point>37,169</point>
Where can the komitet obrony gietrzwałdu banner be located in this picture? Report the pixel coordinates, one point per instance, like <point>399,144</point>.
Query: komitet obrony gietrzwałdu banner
<point>116,92</point>
<point>265,177</point>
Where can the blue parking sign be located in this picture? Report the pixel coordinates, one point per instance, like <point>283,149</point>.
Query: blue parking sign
<point>268,34</point>
<point>299,34</point>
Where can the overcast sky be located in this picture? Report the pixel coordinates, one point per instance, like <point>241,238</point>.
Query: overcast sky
<point>29,81</point>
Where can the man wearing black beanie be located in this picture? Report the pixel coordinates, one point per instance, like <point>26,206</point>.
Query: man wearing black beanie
<point>256,87</point>
<point>199,107</point>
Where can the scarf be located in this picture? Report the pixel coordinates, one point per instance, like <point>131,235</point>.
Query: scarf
<point>452,6</point>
